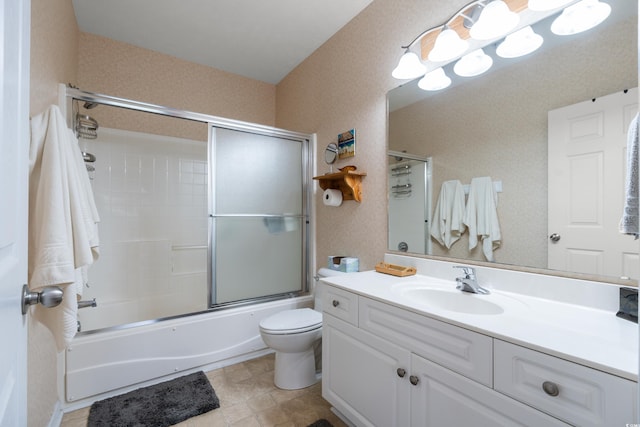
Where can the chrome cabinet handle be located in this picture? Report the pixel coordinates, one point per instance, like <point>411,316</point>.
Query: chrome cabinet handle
<point>401,372</point>
<point>414,380</point>
<point>550,388</point>
<point>555,237</point>
<point>335,303</point>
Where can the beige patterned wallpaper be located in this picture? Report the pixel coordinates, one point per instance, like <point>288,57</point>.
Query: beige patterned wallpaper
<point>54,50</point>
<point>119,69</point>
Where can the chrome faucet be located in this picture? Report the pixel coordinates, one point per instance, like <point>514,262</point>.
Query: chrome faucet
<point>469,283</point>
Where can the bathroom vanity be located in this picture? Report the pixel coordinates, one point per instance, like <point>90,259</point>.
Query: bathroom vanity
<point>414,351</point>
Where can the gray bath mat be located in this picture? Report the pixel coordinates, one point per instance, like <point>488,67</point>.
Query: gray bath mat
<point>158,405</point>
<point>321,423</point>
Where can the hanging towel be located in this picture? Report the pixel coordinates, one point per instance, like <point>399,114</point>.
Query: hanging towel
<point>447,226</point>
<point>629,223</point>
<point>481,216</point>
<point>63,232</point>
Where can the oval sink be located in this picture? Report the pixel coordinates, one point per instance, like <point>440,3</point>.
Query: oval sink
<point>461,302</point>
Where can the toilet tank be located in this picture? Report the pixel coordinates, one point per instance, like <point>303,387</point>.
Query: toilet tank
<point>319,286</point>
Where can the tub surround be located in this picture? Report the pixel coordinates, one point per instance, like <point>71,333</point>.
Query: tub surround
<point>574,320</point>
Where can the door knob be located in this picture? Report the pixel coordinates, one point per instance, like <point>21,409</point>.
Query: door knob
<point>51,296</point>
<point>555,237</point>
<point>401,372</point>
<point>414,380</point>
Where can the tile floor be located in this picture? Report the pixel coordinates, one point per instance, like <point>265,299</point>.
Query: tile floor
<point>249,398</point>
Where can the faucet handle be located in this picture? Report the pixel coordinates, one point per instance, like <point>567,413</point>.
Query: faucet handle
<point>469,272</point>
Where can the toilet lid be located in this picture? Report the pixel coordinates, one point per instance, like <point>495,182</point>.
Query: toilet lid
<point>292,321</point>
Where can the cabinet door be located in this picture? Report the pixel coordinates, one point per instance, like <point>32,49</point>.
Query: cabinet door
<point>443,398</point>
<point>360,375</point>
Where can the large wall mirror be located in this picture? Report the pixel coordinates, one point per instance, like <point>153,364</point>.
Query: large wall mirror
<point>496,125</point>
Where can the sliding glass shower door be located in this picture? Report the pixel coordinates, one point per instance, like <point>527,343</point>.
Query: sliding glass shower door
<point>258,214</point>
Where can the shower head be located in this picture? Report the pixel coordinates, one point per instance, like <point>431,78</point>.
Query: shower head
<point>89,105</point>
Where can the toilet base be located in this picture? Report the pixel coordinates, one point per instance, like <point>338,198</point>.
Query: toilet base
<point>295,370</point>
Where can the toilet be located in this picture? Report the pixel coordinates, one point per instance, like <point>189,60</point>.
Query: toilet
<point>293,334</point>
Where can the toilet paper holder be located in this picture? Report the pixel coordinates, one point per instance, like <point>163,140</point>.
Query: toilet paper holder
<point>348,181</point>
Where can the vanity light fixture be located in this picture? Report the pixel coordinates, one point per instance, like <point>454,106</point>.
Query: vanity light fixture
<point>448,46</point>
<point>580,17</point>
<point>544,5</point>
<point>473,64</point>
<point>409,67</point>
<point>435,80</point>
<point>520,43</point>
<point>496,20</point>
<point>482,22</point>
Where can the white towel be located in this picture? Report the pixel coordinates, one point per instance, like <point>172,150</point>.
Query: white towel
<point>481,216</point>
<point>446,225</point>
<point>630,221</point>
<point>63,233</point>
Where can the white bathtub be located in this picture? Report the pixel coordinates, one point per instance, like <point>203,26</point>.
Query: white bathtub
<point>108,363</point>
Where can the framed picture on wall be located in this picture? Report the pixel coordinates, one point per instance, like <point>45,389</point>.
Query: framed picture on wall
<point>347,144</point>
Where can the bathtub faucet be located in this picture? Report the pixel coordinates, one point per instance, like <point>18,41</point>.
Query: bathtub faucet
<point>469,283</point>
<point>85,304</point>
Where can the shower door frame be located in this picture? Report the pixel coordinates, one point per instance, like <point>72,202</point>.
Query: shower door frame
<point>67,94</point>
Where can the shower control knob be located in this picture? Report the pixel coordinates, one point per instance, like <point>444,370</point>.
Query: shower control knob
<point>335,303</point>
<point>555,237</point>
<point>401,372</point>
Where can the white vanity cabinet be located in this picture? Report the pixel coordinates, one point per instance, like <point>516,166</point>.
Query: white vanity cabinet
<point>385,366</point>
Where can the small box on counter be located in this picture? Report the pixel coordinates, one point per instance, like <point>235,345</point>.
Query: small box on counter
<point>343,263</point>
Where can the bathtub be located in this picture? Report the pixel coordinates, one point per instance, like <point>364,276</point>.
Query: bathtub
<point>111,362</point>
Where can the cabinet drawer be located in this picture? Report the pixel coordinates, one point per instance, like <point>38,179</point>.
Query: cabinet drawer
<point>341,304</point>
<point>463,351</point>
<point>574,393</point>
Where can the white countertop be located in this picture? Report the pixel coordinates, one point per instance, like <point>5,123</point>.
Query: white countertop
<point>589,336</point>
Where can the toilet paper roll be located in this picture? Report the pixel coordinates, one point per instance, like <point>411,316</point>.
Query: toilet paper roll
<point>332,197</point>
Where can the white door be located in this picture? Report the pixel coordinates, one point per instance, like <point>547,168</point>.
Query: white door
<point>14,146</point>
<point>587,162</point>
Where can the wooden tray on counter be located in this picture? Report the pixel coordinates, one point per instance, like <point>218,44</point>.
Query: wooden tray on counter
<point>395,270</point>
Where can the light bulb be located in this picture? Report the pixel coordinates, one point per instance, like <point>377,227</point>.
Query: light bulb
<point>520,43</point>
<point>448,45</point>
<point>409,67</point>
<point>434,80</point>
<point>473,64</point>
<point>496,20</point>
<point>580,17</point>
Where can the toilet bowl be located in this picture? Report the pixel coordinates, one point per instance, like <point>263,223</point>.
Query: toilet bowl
<point>292,334</point>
